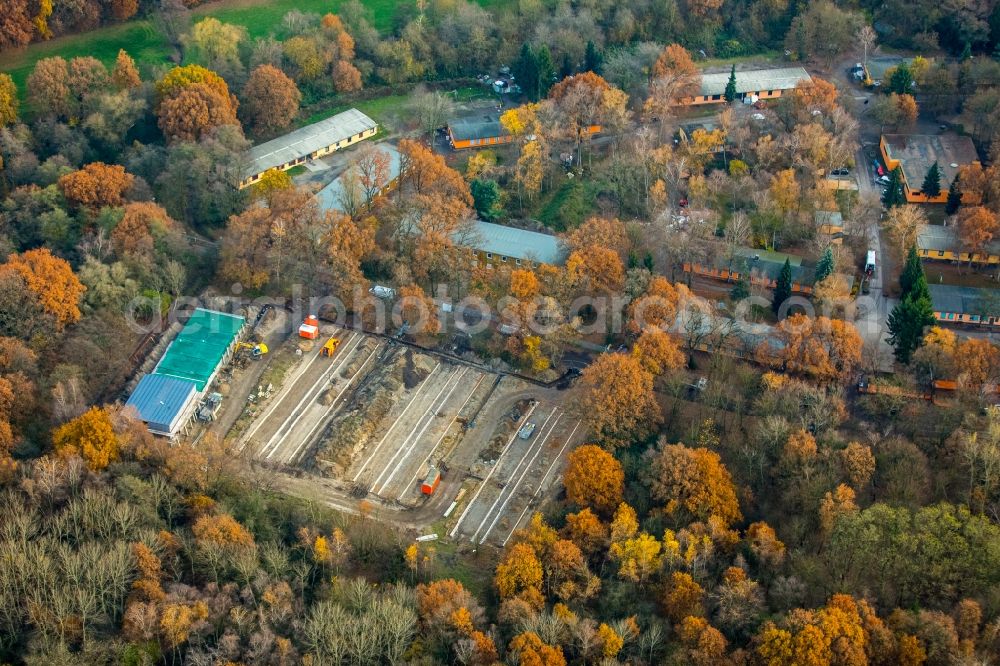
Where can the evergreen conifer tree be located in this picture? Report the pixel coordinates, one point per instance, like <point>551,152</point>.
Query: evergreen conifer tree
<point>894,195</point>
<point>825,265</point>
<point>932,181</point>
<point>954,198</point>
<point>731,85</point>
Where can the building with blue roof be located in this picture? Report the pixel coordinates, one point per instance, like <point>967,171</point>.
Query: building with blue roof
<point>164,403</point>
<point>166,398</point>
<point>494,244</point>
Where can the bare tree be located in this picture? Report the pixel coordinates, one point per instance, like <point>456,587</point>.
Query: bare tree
<point>866,37</point>
<point>432,109</point>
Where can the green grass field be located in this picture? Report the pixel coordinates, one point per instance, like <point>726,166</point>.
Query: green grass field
<point>147,45</point>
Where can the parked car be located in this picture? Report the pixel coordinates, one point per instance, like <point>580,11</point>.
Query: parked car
<point>840,172</point>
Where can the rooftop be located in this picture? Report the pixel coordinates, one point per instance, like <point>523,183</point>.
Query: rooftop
<point>331,197</point>
<point>197,350</point>
<point>917,152</point>
<point>879,65</point>
<point>754,80</point>
<point>160,400</point>
<point>515,243</point>
<point>965,300</point>
<point>307,140</point>
<point>938,237</point>
<point>831,217</point>
<point>477,127</point>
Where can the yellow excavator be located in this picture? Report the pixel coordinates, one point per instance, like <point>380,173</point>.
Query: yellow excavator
<point>257,349</point>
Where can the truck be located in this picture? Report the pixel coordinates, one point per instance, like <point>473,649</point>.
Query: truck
<point>870,263</point>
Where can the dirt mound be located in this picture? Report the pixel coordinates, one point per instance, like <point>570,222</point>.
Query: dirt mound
<point>416,369</point>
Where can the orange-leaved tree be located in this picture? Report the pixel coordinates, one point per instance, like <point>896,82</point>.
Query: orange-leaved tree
<point>693,483</point>
<point>658,352</point>
<point>530,650</point>
<point>50,280</point>
<point>617,400</point>
<point>142,224</point>
<point>593,478</point>
<point>90,436</point>
<point>270,99</point>
<point>96,185</point>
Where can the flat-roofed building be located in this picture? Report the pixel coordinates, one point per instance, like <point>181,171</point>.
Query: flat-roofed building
<point>757,267</point>
<point>941,243</point>
<point>914,154</point>
<point>484,131</point>
<point>166,398</point>
<point>307,143</point>
<point>347,194</point>
<point>495,245</point>
<point>477,132</point>
<point>966,305</point>
<point>759,83</point>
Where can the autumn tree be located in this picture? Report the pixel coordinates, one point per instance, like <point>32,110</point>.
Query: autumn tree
<point>142,224</point>
<point>48,87</point>
<point>683,597</point>
<point>125,74</point>
<point>596,270</point>
<point>586,100</point>
<point>658,352</point>
<point>193,99</point>
<point>594,479</point>
<point>814,94</point>
<point>657,307</point>
<point>441,602</point>
<point>221,530</point>
<point>8,100</point>
<point>87,76</point>
<point>858,463</point>
<point>122,10</point>
<point>977,362</point>
<point>50,280</point>
<point>418,310</point>
<point>96,185</point>
<point>674,77</point>
<point>16,26</point>
<point>586,530</point>
<point>823,348</point>
<point>836,503</point>
<point>197,108</point>
<point>90,436</point>
<point>617,400</point>
<point>693,483</point>
<point>518,571</point>
<point>270,99</point>
<point>346,77</point>
<point>903,224</point>
<point>977,227</point>
<point>529,650</point>
<point>764,544</point>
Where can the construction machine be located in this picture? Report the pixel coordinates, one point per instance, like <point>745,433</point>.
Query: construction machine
<point>257,349</point>
<point>330,347</point>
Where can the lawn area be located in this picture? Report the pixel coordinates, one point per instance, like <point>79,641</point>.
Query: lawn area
<point>566,207</point>
<point>147,45</point>
<point>140,38</point>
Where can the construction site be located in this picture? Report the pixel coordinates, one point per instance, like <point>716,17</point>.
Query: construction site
<point>431,439</point>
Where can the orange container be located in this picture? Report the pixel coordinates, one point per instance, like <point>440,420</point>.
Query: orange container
<point>431,481</point>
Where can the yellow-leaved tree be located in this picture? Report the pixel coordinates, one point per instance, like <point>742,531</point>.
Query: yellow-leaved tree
<point>90,436</point>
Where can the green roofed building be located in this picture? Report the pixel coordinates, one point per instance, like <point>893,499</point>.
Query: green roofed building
<point>198,350</point>
<point>166,398</point>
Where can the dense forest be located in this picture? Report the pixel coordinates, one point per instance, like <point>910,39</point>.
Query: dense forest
<point>778,518</point>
